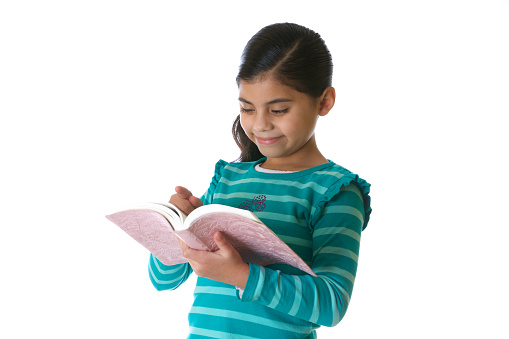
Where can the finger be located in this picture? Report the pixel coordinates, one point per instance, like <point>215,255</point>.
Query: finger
<point>178,239</point>
<point>181,243</point>
<point>182,204</point>
<point>196,202</point>
<point>224,246</point>
<point>186,250</point>
<point>183,192</point>
<point>195,257</point>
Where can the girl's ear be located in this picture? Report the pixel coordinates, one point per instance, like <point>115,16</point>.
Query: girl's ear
<point>327,101</point>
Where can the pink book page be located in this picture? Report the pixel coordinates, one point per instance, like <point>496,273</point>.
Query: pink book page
<point>151,230</point>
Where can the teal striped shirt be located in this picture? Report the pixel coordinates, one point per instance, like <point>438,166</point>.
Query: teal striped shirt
<point>319,213</point>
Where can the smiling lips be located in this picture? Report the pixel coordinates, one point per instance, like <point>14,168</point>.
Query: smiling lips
<point>268,141</point>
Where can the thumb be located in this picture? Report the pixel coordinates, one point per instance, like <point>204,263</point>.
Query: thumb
<point>196,202</point>
<point>183,192</point>
<point>222,243</point>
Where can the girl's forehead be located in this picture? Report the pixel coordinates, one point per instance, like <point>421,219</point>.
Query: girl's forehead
<point>266,90</point>
<point>263,83</point>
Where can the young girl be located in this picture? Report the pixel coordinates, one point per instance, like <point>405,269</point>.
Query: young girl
<point>316,206</point>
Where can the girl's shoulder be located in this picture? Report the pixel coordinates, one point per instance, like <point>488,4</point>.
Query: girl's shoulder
<point>338,179</point>
<point>337,175</point>
<point>223,166</point>
<point>326,181</point>
<point>328,174</point>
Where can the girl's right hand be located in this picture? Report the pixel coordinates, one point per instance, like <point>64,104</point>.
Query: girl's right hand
<point>185,200</point>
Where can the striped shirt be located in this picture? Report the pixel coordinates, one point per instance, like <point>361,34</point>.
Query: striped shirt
<point>319,213</point>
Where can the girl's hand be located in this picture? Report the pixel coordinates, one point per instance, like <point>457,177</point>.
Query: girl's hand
<point>224,265</point>
<point>185,200</point>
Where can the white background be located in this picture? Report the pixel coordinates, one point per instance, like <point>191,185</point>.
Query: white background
<point>105,103</point>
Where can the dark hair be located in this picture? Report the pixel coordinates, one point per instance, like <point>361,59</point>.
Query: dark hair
<point>292,54</point>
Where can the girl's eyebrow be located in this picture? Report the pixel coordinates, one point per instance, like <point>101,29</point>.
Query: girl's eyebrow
<point>275,101</point>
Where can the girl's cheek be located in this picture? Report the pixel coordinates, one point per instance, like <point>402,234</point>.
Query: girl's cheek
<point>245,123</point>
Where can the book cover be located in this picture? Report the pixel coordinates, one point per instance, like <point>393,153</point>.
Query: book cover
<point>254,241</point>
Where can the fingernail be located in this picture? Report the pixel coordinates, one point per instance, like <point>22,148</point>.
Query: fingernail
<point>219,236</point>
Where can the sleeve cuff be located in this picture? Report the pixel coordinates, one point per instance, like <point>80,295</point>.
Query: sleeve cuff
<point>254,285</point>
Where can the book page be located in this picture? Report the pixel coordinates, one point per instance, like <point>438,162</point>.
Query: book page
<point>217,208</point>
<point>174,216</point>
<point>151,230</point>
<point>176,213</point>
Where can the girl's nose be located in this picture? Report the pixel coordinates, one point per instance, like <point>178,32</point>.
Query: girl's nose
<point>262,122</point>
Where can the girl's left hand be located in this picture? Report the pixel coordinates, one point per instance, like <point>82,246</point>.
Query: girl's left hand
<point>224,265</point>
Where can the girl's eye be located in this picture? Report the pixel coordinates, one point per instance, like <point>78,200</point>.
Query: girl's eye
<point>245,110</point>
<point>279,111</point>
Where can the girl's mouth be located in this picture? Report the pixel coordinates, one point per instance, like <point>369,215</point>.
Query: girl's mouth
<point>267,141</point>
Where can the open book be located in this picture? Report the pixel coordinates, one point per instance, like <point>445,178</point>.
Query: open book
<point>154,225</point>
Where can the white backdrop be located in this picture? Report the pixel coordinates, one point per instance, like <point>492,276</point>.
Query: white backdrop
<point>107,102</point>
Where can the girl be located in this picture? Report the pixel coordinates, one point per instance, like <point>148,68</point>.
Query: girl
<point>316,206</point>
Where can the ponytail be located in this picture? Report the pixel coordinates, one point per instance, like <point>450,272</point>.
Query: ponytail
<point>248,149</point>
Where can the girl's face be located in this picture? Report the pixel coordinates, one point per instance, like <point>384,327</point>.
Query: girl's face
<point>281,122</point>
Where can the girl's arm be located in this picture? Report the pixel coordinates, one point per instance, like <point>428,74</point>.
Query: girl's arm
<point>167,277</point>
<point>324,299</point>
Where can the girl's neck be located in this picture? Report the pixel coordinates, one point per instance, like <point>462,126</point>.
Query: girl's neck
<point>274,164</point>
<point>307,157</point>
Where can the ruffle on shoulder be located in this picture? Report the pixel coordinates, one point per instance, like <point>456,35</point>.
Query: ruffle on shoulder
<point>344,181</point>
<point>218,170</point>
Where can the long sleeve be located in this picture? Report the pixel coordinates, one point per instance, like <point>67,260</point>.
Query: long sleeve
<point>324,299</point>
<point>165,277</point>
